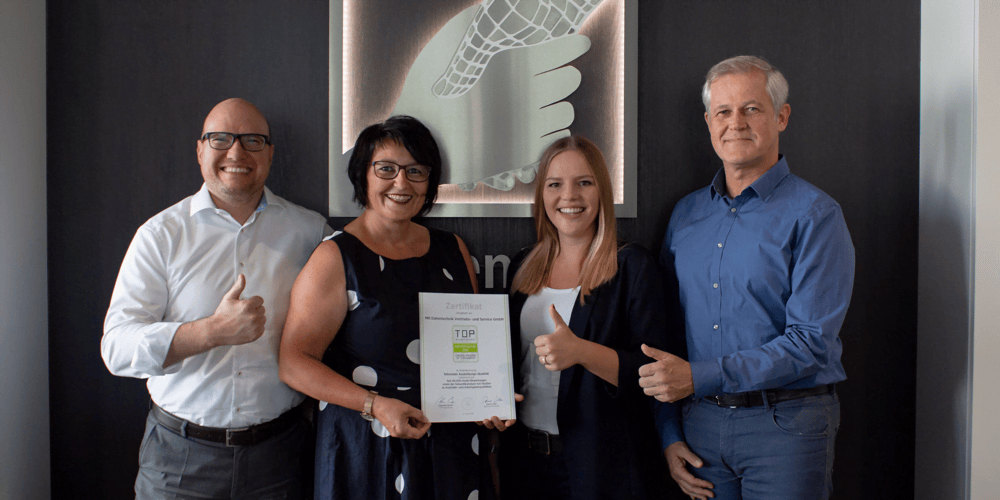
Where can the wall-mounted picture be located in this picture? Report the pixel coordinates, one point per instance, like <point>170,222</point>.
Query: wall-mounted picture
<point>496,82</point>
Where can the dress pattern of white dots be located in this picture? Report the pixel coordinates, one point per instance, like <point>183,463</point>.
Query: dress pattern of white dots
<point>378,348</point>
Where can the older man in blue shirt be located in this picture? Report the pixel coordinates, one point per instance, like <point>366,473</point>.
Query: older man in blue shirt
<point>765,267</point>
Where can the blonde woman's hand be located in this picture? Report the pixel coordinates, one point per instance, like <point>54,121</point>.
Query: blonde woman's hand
<point>494,422</point>
<point>558,350</point>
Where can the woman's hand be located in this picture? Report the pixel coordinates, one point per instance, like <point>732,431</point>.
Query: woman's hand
<point>562,349</point>
<point>400,419</point>
<point>558,350</point>
<point>494,422</point>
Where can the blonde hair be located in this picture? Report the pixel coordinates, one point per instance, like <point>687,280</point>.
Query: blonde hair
<point>601,263</point>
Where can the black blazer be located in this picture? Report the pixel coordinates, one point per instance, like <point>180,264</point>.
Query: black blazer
<point>610,441</point>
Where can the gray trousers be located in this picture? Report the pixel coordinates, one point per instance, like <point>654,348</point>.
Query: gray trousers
<point>172,466</point>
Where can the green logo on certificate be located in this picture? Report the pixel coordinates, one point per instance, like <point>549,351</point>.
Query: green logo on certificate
<point>465,345</point>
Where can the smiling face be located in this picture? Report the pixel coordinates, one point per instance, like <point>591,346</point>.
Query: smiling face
<point>235,176</point>
<point>571,196</point>
<point>398,199</point>
<point>743,122</point>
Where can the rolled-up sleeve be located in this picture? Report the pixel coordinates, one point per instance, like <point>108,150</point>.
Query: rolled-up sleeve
<point>136,340</point>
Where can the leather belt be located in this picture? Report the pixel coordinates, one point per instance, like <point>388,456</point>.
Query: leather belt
<point>246,436</point>
<point>543,443</point>
<point>755,398</point>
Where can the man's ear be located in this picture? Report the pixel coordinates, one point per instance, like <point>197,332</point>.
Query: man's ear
<point>786,110</point>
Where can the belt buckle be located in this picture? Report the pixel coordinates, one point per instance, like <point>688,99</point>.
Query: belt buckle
<point>720,404</point>
<point>231,436</point>
<point>533,442</point>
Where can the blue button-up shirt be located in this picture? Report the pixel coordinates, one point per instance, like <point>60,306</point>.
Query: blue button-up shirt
<point>764,283</point>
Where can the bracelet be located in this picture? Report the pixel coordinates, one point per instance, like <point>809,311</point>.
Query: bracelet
<point>366,413</point>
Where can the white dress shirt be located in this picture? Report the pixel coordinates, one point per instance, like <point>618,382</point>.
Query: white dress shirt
<point>177,269</point>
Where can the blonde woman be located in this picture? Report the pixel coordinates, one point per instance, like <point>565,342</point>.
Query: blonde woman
<point>581,307</point>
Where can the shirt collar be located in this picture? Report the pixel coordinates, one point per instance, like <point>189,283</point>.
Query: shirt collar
<point>763,186</point>
<point>203,200</point>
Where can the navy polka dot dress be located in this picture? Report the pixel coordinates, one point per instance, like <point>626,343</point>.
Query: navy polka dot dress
<point>378,347</point>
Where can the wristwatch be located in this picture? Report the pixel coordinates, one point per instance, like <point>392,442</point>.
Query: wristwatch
<point>366,413</point>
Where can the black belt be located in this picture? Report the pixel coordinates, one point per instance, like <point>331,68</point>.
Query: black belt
<point>543,443</point>
<point>246,436</point>
<point>755,398</point>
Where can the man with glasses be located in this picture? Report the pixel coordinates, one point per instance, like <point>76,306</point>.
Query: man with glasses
<point>198,310</point>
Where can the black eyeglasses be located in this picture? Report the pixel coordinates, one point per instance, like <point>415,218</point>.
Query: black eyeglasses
<point>225,140</point>
<point>389,170</point>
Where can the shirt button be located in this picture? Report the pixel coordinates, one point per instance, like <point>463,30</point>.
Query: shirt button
<point>241,264</point>
<point>715,327</point>
<point>720,245</point>
<point>733,209</point>
<point>715,285</point>
<point>237,409</point>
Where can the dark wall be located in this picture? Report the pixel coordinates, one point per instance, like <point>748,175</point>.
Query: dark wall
<point>129,84</point>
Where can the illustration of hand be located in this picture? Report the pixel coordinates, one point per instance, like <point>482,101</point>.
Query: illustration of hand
<point>505,106</point>
<point>498,26</point>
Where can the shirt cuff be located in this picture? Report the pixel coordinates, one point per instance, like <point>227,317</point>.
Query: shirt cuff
<point>668,422</point>
<point>707,377</point>
<point>153,348</point>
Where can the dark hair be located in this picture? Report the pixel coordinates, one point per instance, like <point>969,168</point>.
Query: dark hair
<point>409,133</point>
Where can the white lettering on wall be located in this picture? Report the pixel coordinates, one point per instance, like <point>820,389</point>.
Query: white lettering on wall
<point>490,264</point>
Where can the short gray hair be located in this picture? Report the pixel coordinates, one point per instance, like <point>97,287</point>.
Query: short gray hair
<point>777,86</point>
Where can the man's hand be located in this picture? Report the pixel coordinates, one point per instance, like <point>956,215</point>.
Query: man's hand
<point>559,349</point>
<point>678,457</point>
<point>238,321</point>
<point>667,379</point>
<point>400,419</point>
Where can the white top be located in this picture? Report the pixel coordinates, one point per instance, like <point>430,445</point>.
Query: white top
<point>539,386</point>
<point>180,264</point>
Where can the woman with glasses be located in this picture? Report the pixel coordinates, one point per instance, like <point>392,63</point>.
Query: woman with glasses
<point>351,337</point>
<point>581,307</point>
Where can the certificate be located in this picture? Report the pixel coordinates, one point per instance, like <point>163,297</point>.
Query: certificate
<point>465,361</point>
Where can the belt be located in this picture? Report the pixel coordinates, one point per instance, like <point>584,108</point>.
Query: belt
<point>543,443</point>
<point>246,436</point>
<point>756,398</point>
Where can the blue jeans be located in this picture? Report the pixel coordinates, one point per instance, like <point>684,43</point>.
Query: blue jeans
<point>172,466</point>
<point>779,451</point>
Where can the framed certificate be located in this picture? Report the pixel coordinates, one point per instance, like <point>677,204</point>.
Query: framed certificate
<point>465,358</point>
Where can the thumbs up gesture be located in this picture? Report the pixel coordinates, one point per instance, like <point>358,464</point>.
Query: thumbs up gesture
<point>239,321</point>
<point>668,378</point>
<point>558,350</point>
